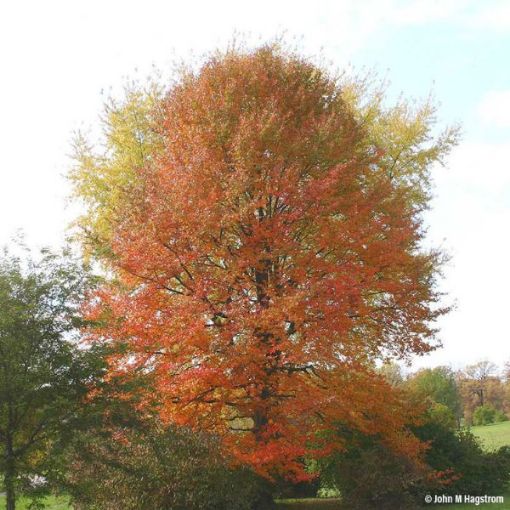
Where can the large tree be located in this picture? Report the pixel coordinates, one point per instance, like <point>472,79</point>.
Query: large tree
<point>263,222</point>
<point>43,375</point>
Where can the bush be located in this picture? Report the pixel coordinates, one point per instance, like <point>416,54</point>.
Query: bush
<point>370,476</point>
<point>285,489</point>
<point>484,415</point>
<point>499,417</point>
<point>442,415</point>
<point>472,470</point>
<point>157,468</point>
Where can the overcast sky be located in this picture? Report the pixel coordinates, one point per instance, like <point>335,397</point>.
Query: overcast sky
<point>59,59</point>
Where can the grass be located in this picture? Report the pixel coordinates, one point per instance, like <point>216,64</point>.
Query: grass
<point>50,503</point>
<point>309,504</point>
<point>334,504</point>
<point>61,503</point>
<point>494,435</point>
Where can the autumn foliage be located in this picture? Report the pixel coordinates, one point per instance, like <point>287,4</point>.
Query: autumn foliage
<point>266,252</point>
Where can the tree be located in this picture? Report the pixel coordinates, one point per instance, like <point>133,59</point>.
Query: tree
<point>438,385</point>
<point>265,237</point>
<point>506,371</point>
<point>392,372</point>
<point>484,415</point>
<point>369,475</point>
<point>480,385</point>
<point>43,376</point>
<point>480,374</point>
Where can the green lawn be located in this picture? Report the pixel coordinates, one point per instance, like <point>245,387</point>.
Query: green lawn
<point>51,503</point>
<point>493,436</point>
<point>310,504</point>
<point>334,504</point>
<point>54,503</point>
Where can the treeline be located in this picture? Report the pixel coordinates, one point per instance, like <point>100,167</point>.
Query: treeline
<point>477,395</point>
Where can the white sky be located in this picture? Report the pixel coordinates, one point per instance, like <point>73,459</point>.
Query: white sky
<point>59,58</point>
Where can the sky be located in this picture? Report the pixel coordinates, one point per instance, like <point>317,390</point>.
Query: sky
<point>59,60</point>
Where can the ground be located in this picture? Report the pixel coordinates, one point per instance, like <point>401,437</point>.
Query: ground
<point>495,435</point>
<point>304,504</point>
<point>51,503</point>
<point>310,504</point>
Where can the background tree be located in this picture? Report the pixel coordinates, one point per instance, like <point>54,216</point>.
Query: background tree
<point>439,386</point>
<point>43,375</point>
<point>480,385</point>
<point>484,415</point>
<point>267,249</point>
<point>480,374</point>
<point>105,181</point>
<point>506,383</point>
<point>392,373</point>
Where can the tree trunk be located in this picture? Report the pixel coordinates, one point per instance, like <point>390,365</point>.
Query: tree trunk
<point>479,393</point>
<point>262,278</point>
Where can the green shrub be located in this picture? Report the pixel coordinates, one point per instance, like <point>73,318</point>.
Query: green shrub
<point>473,470</point>
<point>499,417</point>
<point>285,489</point>
<point>484,415</point>
<point>370,476</point>
<point>442,415</point>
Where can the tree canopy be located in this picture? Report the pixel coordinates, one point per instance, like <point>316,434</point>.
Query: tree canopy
<point>43,375</point>
<point>262,221</point>
<point>439,386</point>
